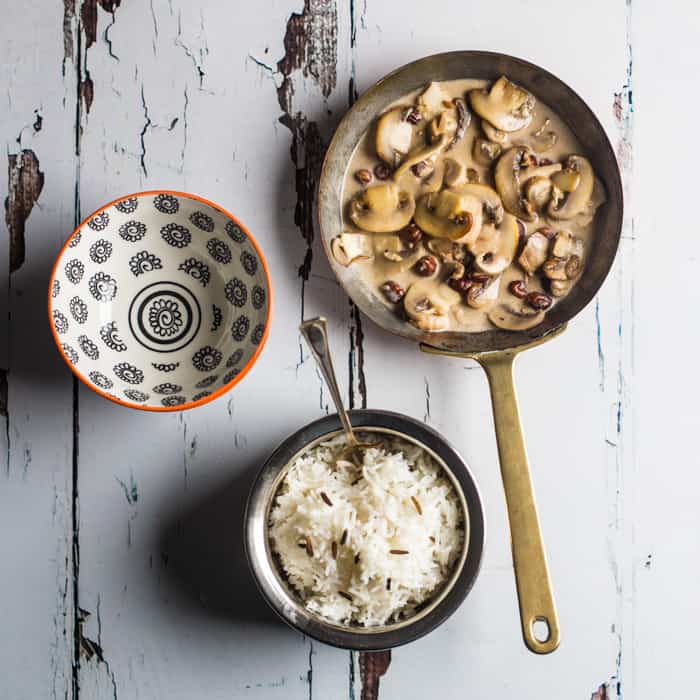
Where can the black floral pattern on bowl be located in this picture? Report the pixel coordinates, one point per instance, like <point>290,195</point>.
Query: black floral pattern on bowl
<point>196,269</point>
<point>110,337</point>
<point>258,297</point>
<point>249,262</point>
<point>207,381</point>
<point>74,270</point>
<point>176,235</point>
<point>71,354</point>
<point>258,332</point>
<point>231,375</point>
<point>236,292</point>
<point>75,240</point>
<point>202,221</point>
<point>165,318</point>
<point>235,358</point>
<point>99,222</point>
<point>206,359</point>
<point>219,251</point>
<point>201,395</point>
<point>136,395</point>
<point>88,347</point>
<point>217,318</point>
<point>240,328</point>
<point>127,206</point>
<point>173,400</point>
<point>166,203</point>
<point>144,261</point>
<point>103,286</point>
<point>235,232</point>
<point>60,322</point>
<point>132,231</point>
<point>128,373</point>
<point>165,366</point>
<point>166,388</point>
<point>55,288</point>
<point>100,251</point>
<point>78,309</point>
<point>99,379</point>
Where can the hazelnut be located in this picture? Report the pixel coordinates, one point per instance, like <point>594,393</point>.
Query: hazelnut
<point>364,176</point>
<point>539,300</point>
<point>426,266</point>
<point>412,235</point>
<point>479,277</point>
<point>413,116</point>
<point>573,267</point>
<point>381,171</point>
<point>555,269</point>
<point>460,285</point>
<point>518,288</point>
<point>393,291</point>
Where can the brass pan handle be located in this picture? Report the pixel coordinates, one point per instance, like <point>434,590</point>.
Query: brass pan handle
<point>538,614</point>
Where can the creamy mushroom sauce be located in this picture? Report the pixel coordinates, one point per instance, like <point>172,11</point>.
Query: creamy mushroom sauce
<point>447,303</point>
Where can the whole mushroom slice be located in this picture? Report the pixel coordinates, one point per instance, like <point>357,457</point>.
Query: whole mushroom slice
<point>484,152</point>
<point>506,105</point>
<point>538,191</point>
<point>430,101</point>
<point>495,246</point>
<point>490,201</point>
<point>427,305</point>
<point>510,319</point>
<point>446,214</point>
<point>494,134</point>
<point>480,296</point>
<point>577,200</point>
<point>382,208</point>
<point>534,252</point>
<point>455,173</point>
<point>507,178</point>
<point>394,136</point>
<point>348,248</point>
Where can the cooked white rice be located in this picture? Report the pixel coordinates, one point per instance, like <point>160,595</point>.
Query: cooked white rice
<point>366,544</point>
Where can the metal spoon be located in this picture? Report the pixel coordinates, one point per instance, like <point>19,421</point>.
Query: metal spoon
<point>316,335</point>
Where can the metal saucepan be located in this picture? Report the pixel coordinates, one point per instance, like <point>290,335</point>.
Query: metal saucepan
<point>494,350</point>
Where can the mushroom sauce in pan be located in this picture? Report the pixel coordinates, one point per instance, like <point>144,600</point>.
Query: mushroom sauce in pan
<point>468,205</point>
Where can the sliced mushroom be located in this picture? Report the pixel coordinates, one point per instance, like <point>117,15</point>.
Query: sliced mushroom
<point>566,180</point>
<point>494,134</point>
<point>538,191</point>
<point>348,248</point>
<point>382,208</point>
<point>507,177</point>
<point>448,251</point>
<point>543,139</point>
<point>495,247</point>
<point>447,214</point>
<point>534,252</point>
<point>506,105</point>
<point>547,171</point>
<point>510,319</point>
<point>455,173</point>
<point>577,200</point>
<point>490,201</point>
<point>394,135</point>
<point>484,152</point>
<point>482,295</point>
<point>427,305</point>
<point>427,153</point>
<point>565,244</point>
<point>555,269</point>
<point>430,101</point>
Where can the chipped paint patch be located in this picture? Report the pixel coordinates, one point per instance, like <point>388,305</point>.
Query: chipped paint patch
<point>373,665</point>
<point>356,359</point>
<point>24,184</point>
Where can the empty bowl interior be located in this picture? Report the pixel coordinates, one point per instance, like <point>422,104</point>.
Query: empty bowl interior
<point>160,300</point>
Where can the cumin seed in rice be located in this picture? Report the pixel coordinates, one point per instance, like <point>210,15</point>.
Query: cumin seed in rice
<point>416,505</point>
<point>357,558</point>
<point>388,584</point>
<point>334,549</point>
<point>309,548</point>
<point>344,537</point>
<point>398,551</point>
<point>326,500</point>
<point>345,595</point>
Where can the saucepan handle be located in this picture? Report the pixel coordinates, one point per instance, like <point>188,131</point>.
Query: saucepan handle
<point>538,614</point>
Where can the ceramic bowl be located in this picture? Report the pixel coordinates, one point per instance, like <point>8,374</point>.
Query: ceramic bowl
<point>160,301</point>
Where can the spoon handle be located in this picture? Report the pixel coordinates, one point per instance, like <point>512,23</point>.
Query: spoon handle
<point>315,333</point>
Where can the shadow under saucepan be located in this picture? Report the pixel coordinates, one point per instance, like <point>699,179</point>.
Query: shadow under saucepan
<point>205,554</point>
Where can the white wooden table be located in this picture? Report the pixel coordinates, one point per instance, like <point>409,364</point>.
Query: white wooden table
<point>122,572</point>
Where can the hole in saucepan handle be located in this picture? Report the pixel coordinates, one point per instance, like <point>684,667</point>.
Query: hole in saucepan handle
<point>540,629</point>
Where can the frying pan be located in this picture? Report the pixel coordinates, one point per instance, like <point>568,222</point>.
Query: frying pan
<point>495,350</point>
